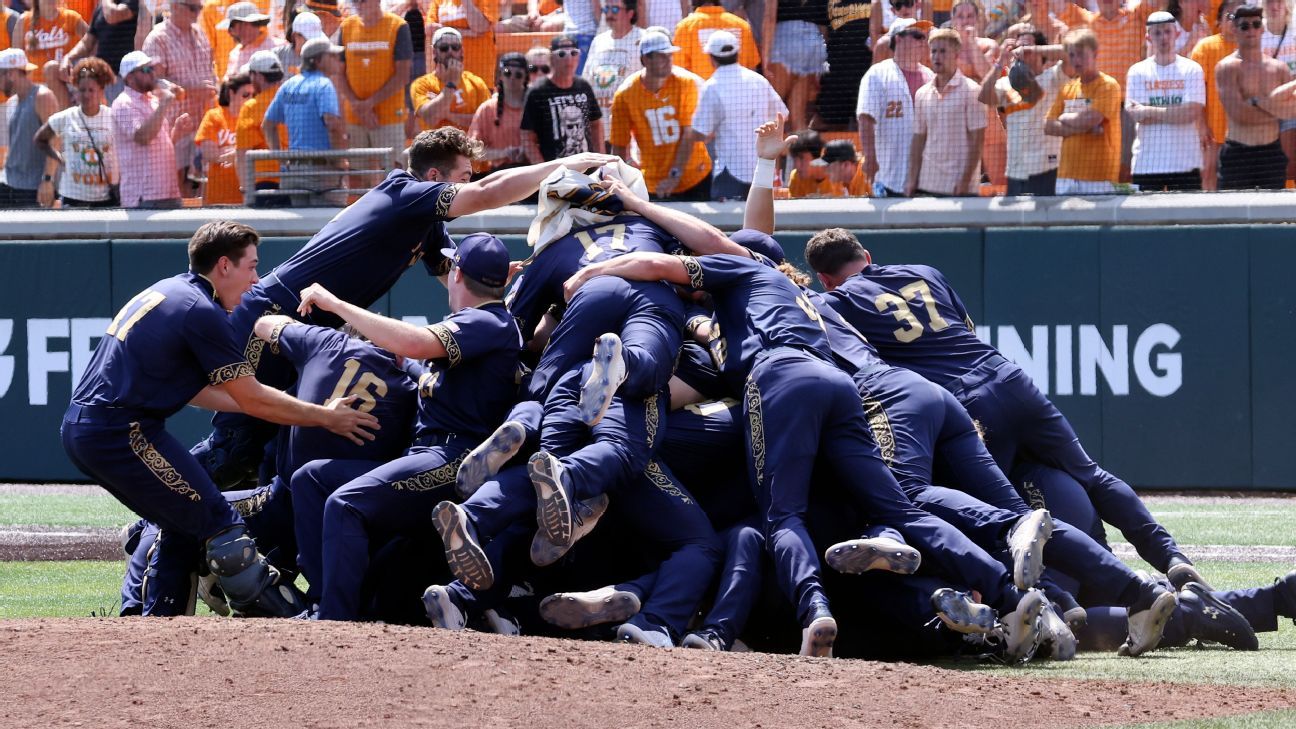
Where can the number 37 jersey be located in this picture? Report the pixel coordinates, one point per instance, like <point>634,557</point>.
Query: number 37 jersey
<point>657,120</point>
<point>914,319</point>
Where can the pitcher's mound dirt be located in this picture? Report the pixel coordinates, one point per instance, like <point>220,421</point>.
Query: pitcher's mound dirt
<point>210,672</point>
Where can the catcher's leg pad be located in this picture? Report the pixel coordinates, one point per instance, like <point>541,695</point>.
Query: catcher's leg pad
<point>251,585</point>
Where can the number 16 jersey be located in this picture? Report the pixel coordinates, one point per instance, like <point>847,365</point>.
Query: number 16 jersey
<point>657,120</point>
<point>914,319</point>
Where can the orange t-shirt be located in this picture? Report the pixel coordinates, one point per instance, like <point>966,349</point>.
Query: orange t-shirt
<point>858,186</point>
<point>370,61</point>
<point>657,120</point>
<point>1091,156</point>
<point>479,51</point>
<point>83,8</point>
<point>247,134</point>
<point>471,93</point>
<point>213,13</point>
<point>219,127</point>
<point>692,32</point>
<point>1122,41</point>
<point>805,187</point>
<point>54,38</point>
<point>1209,52</point>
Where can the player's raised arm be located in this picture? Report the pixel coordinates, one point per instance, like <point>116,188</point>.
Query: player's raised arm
<point>509,186</point>
<point>396,336</point>
<point>641,266</point>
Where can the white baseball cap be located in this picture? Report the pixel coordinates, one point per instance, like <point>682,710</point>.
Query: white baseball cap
<point>446,31</point>
<point>15,58</point>
<point>243,12</point>
<point>130,62</point>
<point>316,47</point>
<point>264,62</point>
<point>900,24</point>
<point>655,41</point>
<point>721,43</point>
<point>308,25</point>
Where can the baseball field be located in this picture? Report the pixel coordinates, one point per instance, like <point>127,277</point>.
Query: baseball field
<point>68,663</point>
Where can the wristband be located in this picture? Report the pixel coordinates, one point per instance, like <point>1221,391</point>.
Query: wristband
<point>764,175</point>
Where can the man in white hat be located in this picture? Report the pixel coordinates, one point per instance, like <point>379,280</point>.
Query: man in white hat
<point>1165,95</point>
<point>267,74</point>
<point>181,54</point>
<point>32,106</point>
<point>307,106</point>
<point>144,137</point>
<point>250,28</point>
<point>306,26</point>
<point>654,106</point>
<point>735,100</point>
<point>885,107</point>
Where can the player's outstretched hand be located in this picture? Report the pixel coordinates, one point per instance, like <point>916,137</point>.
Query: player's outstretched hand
<point>350,423</point>
<point>316,295</point>
<point>586,161</point>
<point>578,279</point>
<point>628,198</point>
<point>770,142</point>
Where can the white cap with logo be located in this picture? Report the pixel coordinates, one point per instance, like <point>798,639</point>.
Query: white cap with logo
<point>655,41</point>
<point>722,43</point>
<point>132,61</point>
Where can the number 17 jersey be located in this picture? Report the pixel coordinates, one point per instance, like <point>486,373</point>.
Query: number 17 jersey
<point>914,319</point>
<point>657,119</point>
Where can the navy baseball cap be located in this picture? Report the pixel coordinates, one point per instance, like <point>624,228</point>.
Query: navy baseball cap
<point>762,243</point>
<point>482,257</point>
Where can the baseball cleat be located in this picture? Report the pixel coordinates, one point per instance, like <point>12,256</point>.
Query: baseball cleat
<point>1181,573</point>
<point>130,536</point>
<point>631,633</point>
<point>576,610</point>
<point>817,638</point>
<point>958,611</point>
<point>483,462</point>
<point>465,556</point>
<point>1147,621</point>
<point>210,592</point>
<point>1075,617</point>
<point>607,372</point>
<point>1026,544</point>
<point>502,623</point>
<point>553,506</point>
<point>705,640</point>
<point>1209,618</point>
<point>586,517</point>
<point>1055,634</point>
<point>1021,627</point>
<point>856,556</point>
<point>441,610</point>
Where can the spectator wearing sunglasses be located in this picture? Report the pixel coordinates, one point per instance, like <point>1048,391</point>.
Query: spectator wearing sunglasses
<point>498,122</point>
<point>881,21</point>
<point>885,106</point>
<point>614,53</point>
<point>145,137</point>
<point>475,20</point>
<point>1207,54</point>
<point>538,64</point>
<point>693,32</point>
<point>561,115</point>
<point>448,95</point>
<point>1252,156</point>
<point>111,36</point>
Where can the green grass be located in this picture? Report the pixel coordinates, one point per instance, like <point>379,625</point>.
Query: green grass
<point>1262,720</point>
<point>59,589</point>
<point>95,508</point>
<point>1237,522</point>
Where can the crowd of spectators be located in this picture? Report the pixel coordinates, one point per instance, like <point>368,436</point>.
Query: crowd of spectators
<point>149,103</point>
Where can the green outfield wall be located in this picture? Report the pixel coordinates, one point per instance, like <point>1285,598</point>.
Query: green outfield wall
<point>1171,349</point>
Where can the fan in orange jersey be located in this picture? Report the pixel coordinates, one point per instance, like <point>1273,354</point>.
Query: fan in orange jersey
<point>216,138</point>
<point>48,32</point>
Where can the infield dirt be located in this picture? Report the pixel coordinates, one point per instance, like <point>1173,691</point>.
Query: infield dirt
<point>208,672</point>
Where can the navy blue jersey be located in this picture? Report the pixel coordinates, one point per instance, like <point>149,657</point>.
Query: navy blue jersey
<point>851,350</point>
<point>756,309</point>
<point>540,285</point>
<point>914,319</point>
<point>363,250</point>
<point>331,364</point>
<point>163,347</point>
<point>472,388</point>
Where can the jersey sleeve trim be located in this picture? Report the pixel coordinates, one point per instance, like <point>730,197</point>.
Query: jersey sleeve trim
<point>453,353</point>
<point>230,372</point>
<point>693,269</point>
<point>274,336</point>
<point>444,200</point>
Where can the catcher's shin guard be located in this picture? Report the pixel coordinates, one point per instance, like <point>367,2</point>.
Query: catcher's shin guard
<point>252,586</point>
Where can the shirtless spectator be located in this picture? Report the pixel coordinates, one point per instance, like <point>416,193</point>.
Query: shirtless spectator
<point>1086,115</point>
<point>1208,53</point>
<point>1252,156</point>
<point>1165,95</point>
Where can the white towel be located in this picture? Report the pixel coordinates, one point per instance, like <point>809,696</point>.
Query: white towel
<point>571,199</point>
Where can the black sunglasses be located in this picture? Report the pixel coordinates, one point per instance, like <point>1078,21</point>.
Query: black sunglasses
<point>565,52</point>
<point>513,72</point>
<point>902,3</point>
<point>543,68</point>
<point>447,47</point>
<point>1253,25</point>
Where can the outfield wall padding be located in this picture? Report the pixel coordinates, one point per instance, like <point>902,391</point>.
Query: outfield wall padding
<point>1170,349</point>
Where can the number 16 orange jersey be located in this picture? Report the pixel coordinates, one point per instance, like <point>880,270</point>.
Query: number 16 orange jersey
<point>658,120</point>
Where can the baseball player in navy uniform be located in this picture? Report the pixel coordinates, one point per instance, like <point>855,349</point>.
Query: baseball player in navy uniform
<point>470,383</point>
<point>916,320</point>
<point>170,345</point>
<point>361,253</point>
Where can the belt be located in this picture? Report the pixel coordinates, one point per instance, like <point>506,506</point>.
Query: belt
<point>108,414</point>
<point>436,438</point>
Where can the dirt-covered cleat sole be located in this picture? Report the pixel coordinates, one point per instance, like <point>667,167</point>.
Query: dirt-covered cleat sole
<point>631,633</point>
<point>1147,626</point>
<point>961,613</point>
<point>1183,573</point>
<point>856,556</point>
<point>703,640</point>
<point>1021,627</point>
<point>465,556</point>
<point>545,552</point>
<point>441,610</point>
<point>483,462</point>
<point>818,637</point>
<point>553,508</point>
<point>576,610</point>
<point>1057,635</point>
<point>607,372</point>
<point>1026,545</point>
